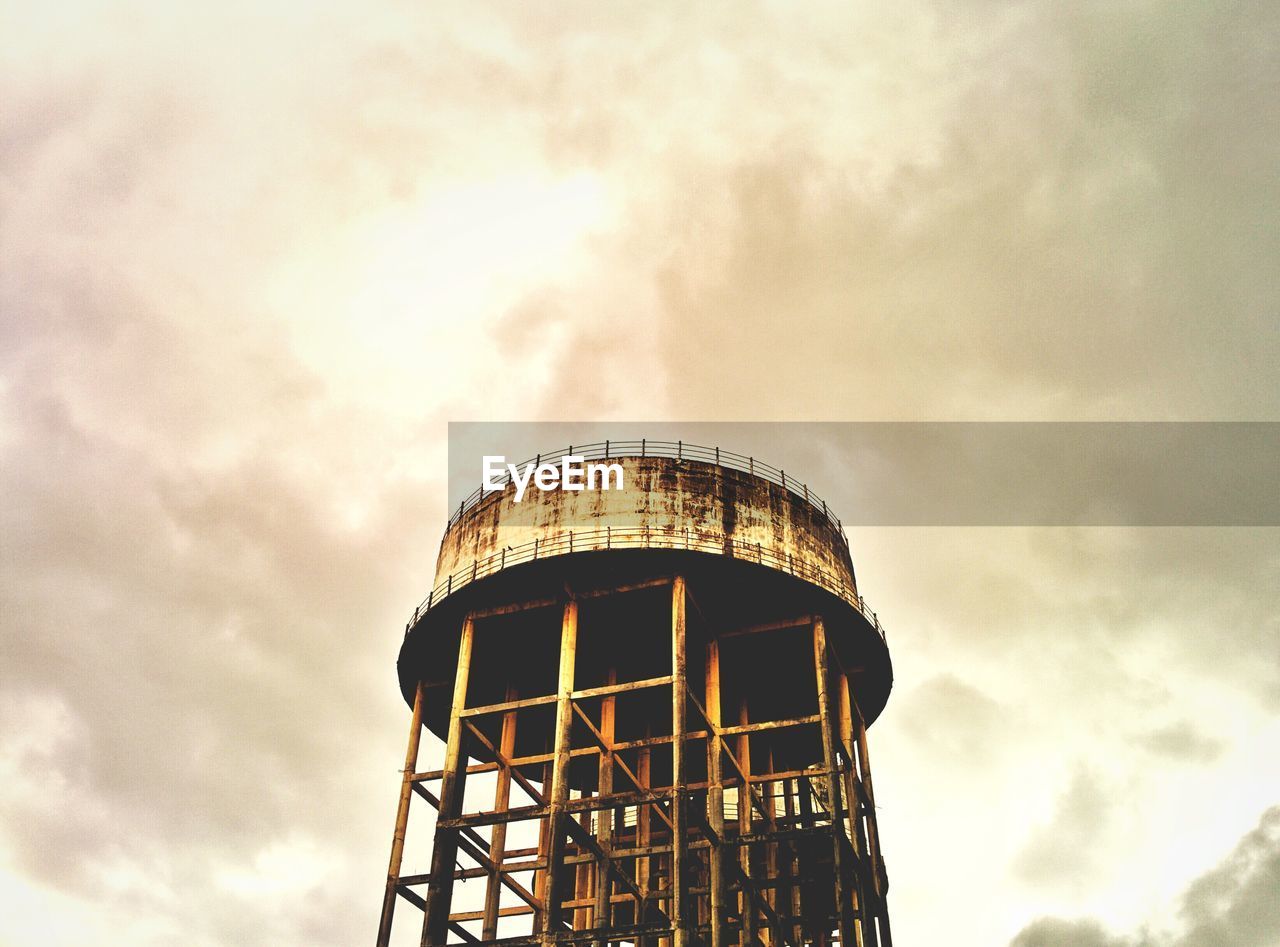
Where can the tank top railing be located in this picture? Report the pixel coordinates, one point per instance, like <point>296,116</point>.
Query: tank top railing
<point>645,537</point>
<point>677,450</point>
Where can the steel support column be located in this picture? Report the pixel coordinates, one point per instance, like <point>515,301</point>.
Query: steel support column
<point>557,830</point>
<point>402,819</point>
<point>678,909</point>
<point>444,851</point>
<point>831,780</point>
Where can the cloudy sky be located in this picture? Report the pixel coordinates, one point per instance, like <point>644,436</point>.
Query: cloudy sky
<point>255,256</point>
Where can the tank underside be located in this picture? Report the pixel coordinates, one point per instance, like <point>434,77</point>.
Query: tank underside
<point>517,648</point>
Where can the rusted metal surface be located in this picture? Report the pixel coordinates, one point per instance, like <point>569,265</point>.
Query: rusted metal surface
<point>677,505</point>
<point>687,732</point>
<point>678,451</point>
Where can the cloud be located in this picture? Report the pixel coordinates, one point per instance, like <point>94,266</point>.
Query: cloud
<point>1235,904</point>
<point>1051,246</point>
<point>255,260</point>
<point>956,723</point>
<point>192,640</point>
<point>1181,741</point>
<point>1053,932</point>
<point>1232,905</point>
<point>1064,849</point>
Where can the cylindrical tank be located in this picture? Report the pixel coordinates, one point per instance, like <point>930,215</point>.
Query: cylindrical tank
<point>721,662</point>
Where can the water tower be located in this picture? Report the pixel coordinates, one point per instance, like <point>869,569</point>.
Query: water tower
<point>667,688</point>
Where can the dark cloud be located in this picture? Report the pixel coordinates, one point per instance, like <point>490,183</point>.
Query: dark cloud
<point>1232,905</point>
<point>955,723</point>
<point>1058,253</point>
<point>1236,904</point>
<point>1182,741</point>
<point>1190,593</point>
<point>1053,932</point>
<point>1062,851</point>
<point>214,646</point>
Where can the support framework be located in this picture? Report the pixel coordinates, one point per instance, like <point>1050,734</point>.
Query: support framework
<point>748,848</point>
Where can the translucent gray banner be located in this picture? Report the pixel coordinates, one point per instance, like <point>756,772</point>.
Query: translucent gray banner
<point>939,473</point>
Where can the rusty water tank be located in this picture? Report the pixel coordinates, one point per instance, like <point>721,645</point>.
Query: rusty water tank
<point>755,546</point>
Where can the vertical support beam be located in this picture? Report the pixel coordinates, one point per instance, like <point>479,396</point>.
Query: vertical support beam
<point>556,816</point>
<point>866,930</point>
<point>402,819</point>
<point>604,832</point>
<point>643,835</point>
<point>544,844</point>
<point>804,799</point>
<point>790,868</point>
<point>582,872</point>
<point>873,833</point>
<point>831,783</point>
<point>715,796</point>
<point>746,908</point>
<point>773,864</point>
<point>444,850</point>
<point>498,840</point>
<point>679,815</point>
